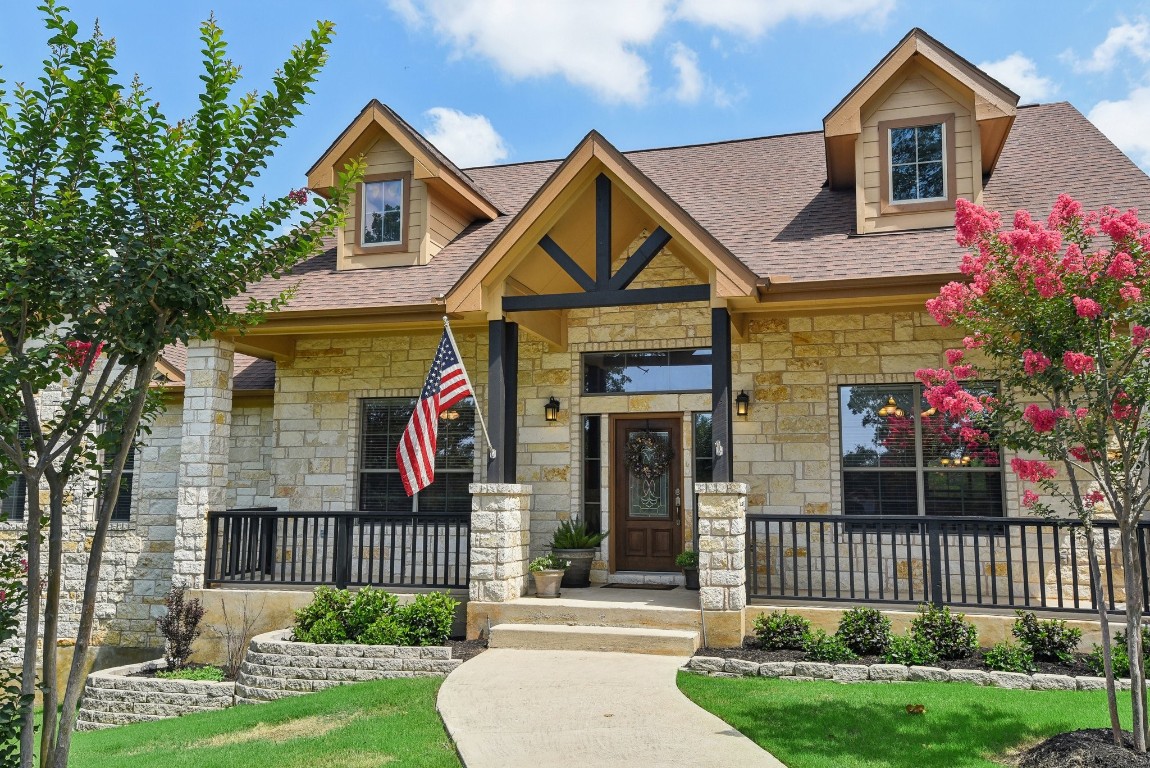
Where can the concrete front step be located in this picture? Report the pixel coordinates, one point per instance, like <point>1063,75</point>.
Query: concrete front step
<point>562,637</point>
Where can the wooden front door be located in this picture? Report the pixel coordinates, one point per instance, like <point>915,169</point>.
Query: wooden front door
<point>648,517</point>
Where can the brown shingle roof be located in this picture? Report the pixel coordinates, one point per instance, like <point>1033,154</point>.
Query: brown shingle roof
<point>247,372</point>
<point>765,199</point>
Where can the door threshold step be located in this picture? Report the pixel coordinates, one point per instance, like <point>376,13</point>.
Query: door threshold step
<point>564,637</point>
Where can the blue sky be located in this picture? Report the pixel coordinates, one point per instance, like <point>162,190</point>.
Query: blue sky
<point>518,80</point>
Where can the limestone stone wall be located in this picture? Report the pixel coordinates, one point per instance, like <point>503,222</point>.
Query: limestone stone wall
<point>250,470</point>
<point>116,697</point>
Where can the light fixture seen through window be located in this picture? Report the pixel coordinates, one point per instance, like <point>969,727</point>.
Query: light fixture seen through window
<point>551,409</point>
<point>891,409</point>
<point>742,403</point>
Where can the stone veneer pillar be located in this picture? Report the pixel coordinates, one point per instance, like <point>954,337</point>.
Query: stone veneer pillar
<point>205,437</point>
<point>500,541</point>
<point>722,510</point>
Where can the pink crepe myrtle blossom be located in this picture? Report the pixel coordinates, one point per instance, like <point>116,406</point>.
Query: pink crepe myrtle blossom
<point>950,303</point>
<point>973,342</point>
<point>1032,471</point>
<point>1093,499</point>
<point>80,353</point>
<point>1079,453</point>
<point>954,401</point>
<point>1121,408</point>
<point>1087,308</point>
<point>1139,334</point>
<point>1029,498</point>
<point>1043,419</point>
<point>1081,413</point>
<point>1078,363</point>
<point>973,222</point>
<point>1122,266</point>
<point>1034,363</point>
<point>298,196</point>
<point>954,356</point>
<point>1066,211</point>
<point>1130,292</point>
<point>964,372</point>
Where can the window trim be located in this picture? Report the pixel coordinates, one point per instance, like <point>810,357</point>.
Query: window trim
<point>359,248</point>
<point>359,470</point>
<point>949,165</point>
<point>583,389</point>
<point>919,469</point>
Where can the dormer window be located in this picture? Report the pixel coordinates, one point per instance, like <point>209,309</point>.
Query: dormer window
<point>917,164</point>
<point>381,213</point>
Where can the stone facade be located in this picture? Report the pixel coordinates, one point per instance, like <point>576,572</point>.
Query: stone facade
<point>275,666</point>
<point>500,525</point>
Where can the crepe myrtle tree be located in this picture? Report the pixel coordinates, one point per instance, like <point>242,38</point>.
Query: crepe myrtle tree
<point>122,232</point>
<point>1058,312</point>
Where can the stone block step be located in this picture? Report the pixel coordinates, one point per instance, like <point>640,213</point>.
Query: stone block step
<point>563,637</point>
<point>625,608</point>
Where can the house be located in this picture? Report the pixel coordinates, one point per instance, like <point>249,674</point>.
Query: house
<point>742,318</point>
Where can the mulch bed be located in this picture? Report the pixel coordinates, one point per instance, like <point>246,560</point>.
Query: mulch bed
<point>163,668</point>
<point>466,649</point>
<point>750,651</point>
<point>1093,748</point>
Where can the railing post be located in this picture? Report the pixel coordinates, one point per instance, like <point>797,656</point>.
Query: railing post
<point>210,560</point>
<point>342,554</point>
<point>932,532</point>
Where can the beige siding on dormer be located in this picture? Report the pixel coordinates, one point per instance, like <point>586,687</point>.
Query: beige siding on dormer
<point>387,156</point>
<point>917,93</point>
<point>444,223</point>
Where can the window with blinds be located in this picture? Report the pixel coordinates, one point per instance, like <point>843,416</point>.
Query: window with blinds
<point>382,422</point>
<point>14,487</point>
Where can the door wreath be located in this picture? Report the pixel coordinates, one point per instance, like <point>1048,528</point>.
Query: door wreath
<point>647,456</point>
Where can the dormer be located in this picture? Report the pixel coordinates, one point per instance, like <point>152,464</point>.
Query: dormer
<point>922,129</point>
<point>412,201</point>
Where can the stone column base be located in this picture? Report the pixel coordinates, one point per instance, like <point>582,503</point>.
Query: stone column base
<point>723,629</point>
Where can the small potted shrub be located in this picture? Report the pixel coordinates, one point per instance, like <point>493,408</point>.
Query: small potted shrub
<point>548,574</point>
<point>689,562</point>
<point>573,542</point>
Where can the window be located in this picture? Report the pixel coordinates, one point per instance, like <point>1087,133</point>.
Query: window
<point>918,162</point>
<point>592,472</point>
<point>122,512</point>
<point>703,446</point>
<point>896,464</point>
<point>676,370</point>
<point>14,486</point>
<point>382,423</point>
<point>381,213</point>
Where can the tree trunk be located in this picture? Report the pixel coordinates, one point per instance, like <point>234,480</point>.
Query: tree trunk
<point>1104,625</point>
<point>52,613</point>
<point>31,631</point>
<point>1132,564</point>
<point>76,673</point>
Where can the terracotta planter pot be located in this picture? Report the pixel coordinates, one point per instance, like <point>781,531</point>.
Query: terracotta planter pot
<point>547,583</point>
<point>692,575</point>
<point>578,574</point>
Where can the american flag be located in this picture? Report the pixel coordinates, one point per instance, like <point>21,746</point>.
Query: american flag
<point>446,385</point>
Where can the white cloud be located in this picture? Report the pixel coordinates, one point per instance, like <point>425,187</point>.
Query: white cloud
<point>1020,74</point>
<point>1124,122</point>
<point>686,64</point>
<point>752,18</point>
<point>469,140</point>
<point>591,43</point>
<point>1134,38</point>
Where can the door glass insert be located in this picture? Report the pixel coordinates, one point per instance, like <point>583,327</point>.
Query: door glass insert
<point>649,474</point>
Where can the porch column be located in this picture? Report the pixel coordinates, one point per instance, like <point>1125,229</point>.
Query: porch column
<point>500,542</point>
<point>203,469</point>
<point>723,560</point>
<point>721,394</point>
<point>502,394</point>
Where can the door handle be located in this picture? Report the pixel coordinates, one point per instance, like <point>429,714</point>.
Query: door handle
<point>678,507</point>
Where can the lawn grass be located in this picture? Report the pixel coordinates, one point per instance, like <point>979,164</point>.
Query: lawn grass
<point>387,722</point>
<point>866,725</point>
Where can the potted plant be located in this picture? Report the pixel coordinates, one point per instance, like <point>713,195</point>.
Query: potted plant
<point>573,542</point>
<point>689,562</point>
<point>548,573</point>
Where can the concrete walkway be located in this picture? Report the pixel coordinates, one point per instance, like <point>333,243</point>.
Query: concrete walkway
<point>524,709</point>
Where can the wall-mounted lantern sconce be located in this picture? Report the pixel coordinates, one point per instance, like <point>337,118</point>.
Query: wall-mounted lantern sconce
<point>742,403</point>
<point>551,409</point>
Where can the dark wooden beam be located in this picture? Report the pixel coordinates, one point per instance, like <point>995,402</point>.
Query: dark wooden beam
<point>496,398</point>
<point>639,259</point>
<point>510,446</point>
<point>608,298</point>
<point>722,471</point>
<point>602,231</point>
<point>560,257</point>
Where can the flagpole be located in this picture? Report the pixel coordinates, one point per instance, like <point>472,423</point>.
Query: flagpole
<point>478,410</point>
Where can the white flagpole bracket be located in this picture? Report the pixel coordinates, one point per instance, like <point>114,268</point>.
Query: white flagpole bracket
<point>478,411</point>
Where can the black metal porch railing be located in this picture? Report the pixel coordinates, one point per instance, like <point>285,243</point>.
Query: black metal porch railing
<point>266,546</point>
<point>1028,563</point>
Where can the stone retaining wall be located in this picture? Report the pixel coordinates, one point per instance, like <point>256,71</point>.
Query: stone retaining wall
<point>275,666</point>
<point>893,673</point>
<point>113,697</point>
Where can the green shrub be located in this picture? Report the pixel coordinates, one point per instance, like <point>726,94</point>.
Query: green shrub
<point>1007,657</point>
<point>950,635</point>
<point>829,648</point>
<point>428,618</point>
<point>327,608</point>
<point>1119,655</point>
<point>385,630</point>
<point>575,536</point>
<point>865,631</point>
<point>687,559</point>
<point>1048,640</point>
<point>206,673</point>
<point>781,631</point>
<point>367,606</point>
<point>909,650</point>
